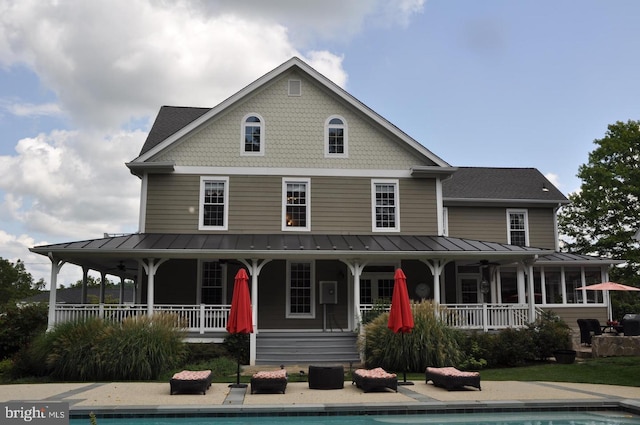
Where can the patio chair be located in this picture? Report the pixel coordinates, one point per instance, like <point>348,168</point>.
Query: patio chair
<point>374,380</point>
<point>451,378</point>
<point>190,381</point>
<point>585,331</point>
<point>269,381</point>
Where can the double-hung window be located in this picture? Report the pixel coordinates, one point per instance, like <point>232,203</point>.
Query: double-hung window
<point>335,137</point>
<point>300,290</point>
<point>385,206</point>
<point>214,203</point>
<point>252,140</point>
<point>212,289</point>
<point>517,227</point>
<point>296,209</point>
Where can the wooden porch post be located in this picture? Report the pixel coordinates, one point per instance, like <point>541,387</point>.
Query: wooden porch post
<point>436,267</point>
<point>255,266</point>
<point>150,267</point>
<point>356,269</point>
<point>56,265</point>
<point>85,277</point>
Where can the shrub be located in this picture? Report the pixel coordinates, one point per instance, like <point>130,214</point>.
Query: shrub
<point>431,342</point>
<point>549,333</point>
<point>19,325</point>
<point>514,347</point>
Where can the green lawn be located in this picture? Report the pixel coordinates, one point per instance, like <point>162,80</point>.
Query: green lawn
<point>610,370</point>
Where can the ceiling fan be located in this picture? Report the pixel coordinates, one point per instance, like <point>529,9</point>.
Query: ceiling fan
<point>484,264</point>
<point>121,267</point>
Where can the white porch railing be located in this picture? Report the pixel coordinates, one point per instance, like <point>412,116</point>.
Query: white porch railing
<point>213,318</point>
<point>198,318</point>
<point>476,316</point>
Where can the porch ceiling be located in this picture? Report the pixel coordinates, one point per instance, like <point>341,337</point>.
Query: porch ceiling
<point>119,255</point>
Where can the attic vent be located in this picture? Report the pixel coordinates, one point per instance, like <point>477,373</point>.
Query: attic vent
<point>295,88</point>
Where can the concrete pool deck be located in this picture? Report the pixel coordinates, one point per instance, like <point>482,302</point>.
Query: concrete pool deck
<point>154,398</point>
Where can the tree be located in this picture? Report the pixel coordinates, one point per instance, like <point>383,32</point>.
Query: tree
<point>605,214</point>
<point>16,283</point>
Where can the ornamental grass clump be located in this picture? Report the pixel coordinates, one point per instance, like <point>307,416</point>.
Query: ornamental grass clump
<point>140,348</point>
<point>430,343</point>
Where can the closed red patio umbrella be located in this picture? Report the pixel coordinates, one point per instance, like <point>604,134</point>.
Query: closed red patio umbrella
<point>400,315</point>
<point>240,317</point>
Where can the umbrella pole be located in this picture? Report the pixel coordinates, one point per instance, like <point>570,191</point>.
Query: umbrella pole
<point>404,372</point>
<point>238,384</point>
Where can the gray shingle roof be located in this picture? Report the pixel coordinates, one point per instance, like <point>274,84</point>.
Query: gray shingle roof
<point>485,183</point>
<point>169,120</point>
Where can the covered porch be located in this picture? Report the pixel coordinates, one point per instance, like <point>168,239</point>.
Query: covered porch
<point>305,283</point>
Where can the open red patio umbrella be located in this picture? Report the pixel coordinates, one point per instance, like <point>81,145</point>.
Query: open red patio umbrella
<point>240,317</point>
<point>609,286</point>
<point>401,316</point>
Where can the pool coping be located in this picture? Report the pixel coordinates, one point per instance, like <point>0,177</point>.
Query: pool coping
<point>430,407</point>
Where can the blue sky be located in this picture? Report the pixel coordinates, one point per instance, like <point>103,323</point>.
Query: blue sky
<point>501,83</point>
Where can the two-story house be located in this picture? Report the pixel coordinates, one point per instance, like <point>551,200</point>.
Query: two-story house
<point>321,199</point>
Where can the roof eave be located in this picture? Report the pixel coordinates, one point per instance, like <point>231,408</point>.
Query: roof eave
<point>476,202</point>
<point>141,168</point>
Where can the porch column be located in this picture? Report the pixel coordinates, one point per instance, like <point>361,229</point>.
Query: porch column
<point>436,267</point>
<point>150,267</point>
<point>103,284</point>
<point>85,278</point>
<point>531,291</point>
<point>121,290</point>
<point>255,267</point>
<point>356,269</point>
<point>56,265</point>
<point>520,283</point>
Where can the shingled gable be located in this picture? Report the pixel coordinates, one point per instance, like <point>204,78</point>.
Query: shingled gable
<point>484,185</point>
<point>167,130</point>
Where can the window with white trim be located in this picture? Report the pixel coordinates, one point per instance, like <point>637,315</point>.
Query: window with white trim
<point>214,204</point>
<point>296,204</point>
<point>385,206</point>
<point>252,135</point>
<point>212,289</point>
<point>517,227</point>
<point>335,137</point>
<point>300,290</point>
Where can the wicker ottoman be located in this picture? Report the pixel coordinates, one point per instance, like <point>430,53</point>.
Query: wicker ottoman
<point>326,377</point>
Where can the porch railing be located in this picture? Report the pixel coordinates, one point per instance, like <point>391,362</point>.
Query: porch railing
<point>213,318</point>
<point>197,318</point>
<point>475,316</point>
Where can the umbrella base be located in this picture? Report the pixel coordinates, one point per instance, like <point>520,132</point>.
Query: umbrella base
<point>238,385</point>
<point>405,383</point>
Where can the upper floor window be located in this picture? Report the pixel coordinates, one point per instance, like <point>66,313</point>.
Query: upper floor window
<point>252,135</point>
<point>214,203</point>
<point>385,205</point>
<point>335,137</point>
<point>517,227</point>
<point>296,204</point>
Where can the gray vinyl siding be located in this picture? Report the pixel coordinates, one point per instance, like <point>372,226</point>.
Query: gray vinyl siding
<point>338,204</point>
<point>490,224</point>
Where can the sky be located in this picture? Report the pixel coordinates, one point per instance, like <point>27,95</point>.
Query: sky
<point>496,83</point>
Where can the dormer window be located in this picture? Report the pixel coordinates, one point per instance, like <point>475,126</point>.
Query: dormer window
<point>252,140</point>
<point>335,137</point>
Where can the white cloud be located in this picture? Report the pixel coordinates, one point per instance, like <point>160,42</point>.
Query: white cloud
<point>111,65</point>
<point>554,179</point>
<point>30,109</point>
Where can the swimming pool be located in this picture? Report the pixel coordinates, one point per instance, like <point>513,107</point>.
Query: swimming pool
<point>501,418</point>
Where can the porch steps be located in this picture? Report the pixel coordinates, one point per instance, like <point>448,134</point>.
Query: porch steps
<point>275,348</point>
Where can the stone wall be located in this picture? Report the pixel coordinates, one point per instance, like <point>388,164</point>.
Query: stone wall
<point>614,345</point>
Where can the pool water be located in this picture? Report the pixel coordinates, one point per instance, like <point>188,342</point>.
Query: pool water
<point>519,418</point>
